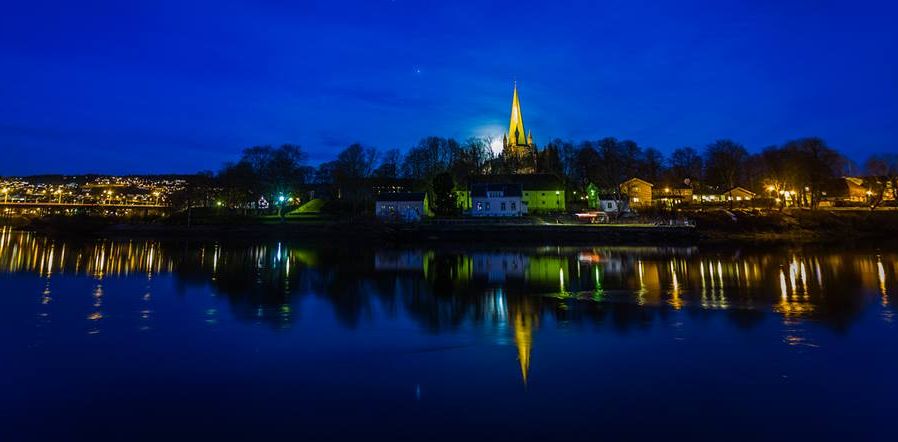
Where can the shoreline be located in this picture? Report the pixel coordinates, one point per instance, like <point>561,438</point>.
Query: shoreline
<point>370,232</point>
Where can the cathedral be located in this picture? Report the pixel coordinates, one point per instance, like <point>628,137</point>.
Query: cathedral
<point>518,149</point>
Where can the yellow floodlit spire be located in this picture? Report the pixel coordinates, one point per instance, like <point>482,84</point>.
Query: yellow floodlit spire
<point>523,339</point>
<point>516,134</point>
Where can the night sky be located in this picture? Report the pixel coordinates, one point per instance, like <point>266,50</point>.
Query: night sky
<point>182,86</point>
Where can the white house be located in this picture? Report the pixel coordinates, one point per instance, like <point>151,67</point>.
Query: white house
<point>497,200</point>
<point>405,206</point>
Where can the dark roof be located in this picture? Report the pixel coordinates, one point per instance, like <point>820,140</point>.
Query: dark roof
<point>836,188</point>
<point>402,196</point>
<point>674,185</point>
<point>506,189</point>
<point>739,188</point>
<point>532,181</point>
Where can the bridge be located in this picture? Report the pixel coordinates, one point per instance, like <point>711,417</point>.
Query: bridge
<point>80,207</point>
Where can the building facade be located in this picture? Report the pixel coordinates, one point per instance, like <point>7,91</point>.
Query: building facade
<point>540,193</point>
<point>497,200</point>
<point>401,206</point>
<point>638,192</point>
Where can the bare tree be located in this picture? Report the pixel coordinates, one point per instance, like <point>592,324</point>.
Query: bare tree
<point>882,177</point>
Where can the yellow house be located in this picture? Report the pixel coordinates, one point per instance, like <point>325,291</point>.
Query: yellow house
<point>738,194</point>
<point>639,192</point>
<point>672,195</point>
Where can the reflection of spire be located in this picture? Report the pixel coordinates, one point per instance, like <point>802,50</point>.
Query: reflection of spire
<point>523,339</point>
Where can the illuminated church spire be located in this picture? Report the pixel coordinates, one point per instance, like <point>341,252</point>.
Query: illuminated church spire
<point>518,148</point>
<point>516,134</point>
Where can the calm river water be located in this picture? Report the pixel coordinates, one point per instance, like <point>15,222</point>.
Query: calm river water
<point>147,340</point>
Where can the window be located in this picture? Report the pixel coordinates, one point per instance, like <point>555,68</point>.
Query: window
<point>514,206</point>
<point>487,207</point>
<point>608,206</point>
<point>502,207</point>
<point>479,206</point>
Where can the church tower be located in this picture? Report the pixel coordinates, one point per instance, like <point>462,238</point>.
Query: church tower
<point>518,148</point>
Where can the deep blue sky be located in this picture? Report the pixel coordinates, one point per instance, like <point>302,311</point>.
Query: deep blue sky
<point>180,86</point>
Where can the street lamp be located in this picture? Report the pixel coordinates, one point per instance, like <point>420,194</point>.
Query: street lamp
<point>281,199</point>
<point>5,195</point>
<point>59,196</point>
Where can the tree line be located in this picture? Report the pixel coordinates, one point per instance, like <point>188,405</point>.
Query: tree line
<point>803,166</point>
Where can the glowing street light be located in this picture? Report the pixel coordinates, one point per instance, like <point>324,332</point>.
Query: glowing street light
<point>280,204</point>
<point>5,195</point>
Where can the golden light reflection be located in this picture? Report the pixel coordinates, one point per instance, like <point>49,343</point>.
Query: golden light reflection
<point>26,252</point>
<point>791,304</point>
<point>523,339</point>
<point>675,300</point>
<point>881,273</point>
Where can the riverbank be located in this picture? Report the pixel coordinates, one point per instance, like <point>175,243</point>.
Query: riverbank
<point>798,225</point>
<point>719,226</point>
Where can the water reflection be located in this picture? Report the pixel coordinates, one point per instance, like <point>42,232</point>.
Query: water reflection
<point>511,288</point>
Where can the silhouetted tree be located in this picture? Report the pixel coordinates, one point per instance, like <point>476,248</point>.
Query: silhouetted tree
<point>444,201</point>
<point>652,165</point>
<point>882,175</point>
<point>263,171</point>
<point>389,164</point>
<point>685,162</point>
<point>724,160</point>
